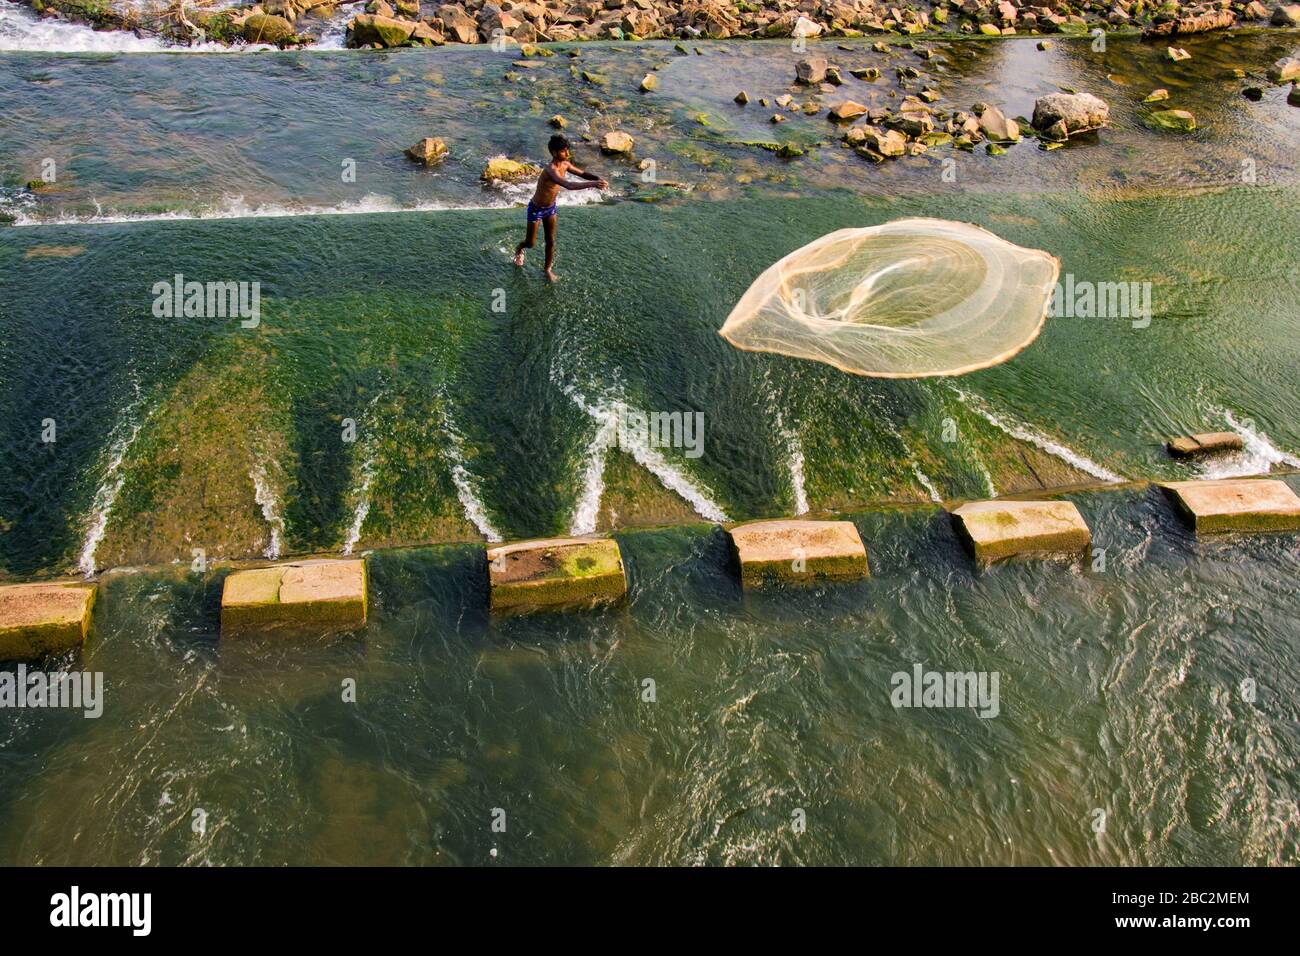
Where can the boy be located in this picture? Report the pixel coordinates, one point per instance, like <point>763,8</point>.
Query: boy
<point>541,208</point>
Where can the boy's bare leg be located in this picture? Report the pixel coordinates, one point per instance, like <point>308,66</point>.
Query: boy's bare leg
<point>549,224</point>
<point>529,238</point>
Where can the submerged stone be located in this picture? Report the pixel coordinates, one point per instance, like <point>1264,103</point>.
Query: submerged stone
<point>37,620</point>
<point>315,595</point>
<point>555,571</point>
<point>1206,443</point>
<point>1001,529</point>
<point>1236,504</point>
<point>798,551</point>
<point>1177,121</point>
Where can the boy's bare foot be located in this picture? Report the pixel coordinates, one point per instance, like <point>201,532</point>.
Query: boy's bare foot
<point>519,258</point>
<point>551,276</point>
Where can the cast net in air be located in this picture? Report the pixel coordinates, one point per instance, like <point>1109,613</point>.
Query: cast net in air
<point>906,299</point>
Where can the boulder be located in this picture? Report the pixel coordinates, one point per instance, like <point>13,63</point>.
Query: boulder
<point>1156,96</point>
<point>911,123</point>
<point>798,551</point>
<point>1192,23</point>
<point>996,126</point>
<point>616,143</point>
<point>1079,112</point>
<point>804,27</point>
<point>1001,529</point>
<point>317,596</point>
<point>1177,54</point>
<point>458,24</point>
<point>427,151</point>
<point>369,28</point>
<point>1285,70</point>
<point>887,143</point>
<point>811,72</point>
<point>555,571</point>
<point>649,82</point>
<point>1236,504</point>
<point>742,98</point>
<point>1206,443</point>
<point>37,620</point>
<point>1286,15</point>
<point>846,111</point>
<point>502,169</point>
<point>264,28</point>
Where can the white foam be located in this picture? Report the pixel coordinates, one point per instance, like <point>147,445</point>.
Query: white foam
<point>362,510</point>
<point>794,461</point>
<point>470,501</point>
<point>1037,439</point>
<point>265,496</point>
<point>1258,457</point>
<point>235,207</point>
<point>612,409</point>
<point>928,485</point>
<point>368,453</point>
<point>22,30</point>
<point>587,510</point>
<point>125,433</point>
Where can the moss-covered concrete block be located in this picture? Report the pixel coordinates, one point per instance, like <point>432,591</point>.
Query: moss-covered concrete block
<point>1207,443</point>
<point>1002,529</point>
<point>798,552</point>
<point>319,595</point>
<point>1235,504</point>
<point>555,571</point>
<point>41,619</point>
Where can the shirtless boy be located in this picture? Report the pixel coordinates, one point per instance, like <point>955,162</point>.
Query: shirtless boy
<point>541,208</point>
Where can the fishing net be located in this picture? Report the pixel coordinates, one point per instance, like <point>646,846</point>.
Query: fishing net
<point>906,299</point>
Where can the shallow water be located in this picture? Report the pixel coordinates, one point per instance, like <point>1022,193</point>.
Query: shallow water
<point>1119,690</point>
<point>1120,685</point>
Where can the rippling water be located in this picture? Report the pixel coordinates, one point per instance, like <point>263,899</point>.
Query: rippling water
<point>1120,684</point>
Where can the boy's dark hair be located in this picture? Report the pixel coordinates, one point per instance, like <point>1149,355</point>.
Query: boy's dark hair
<point>557,143</point>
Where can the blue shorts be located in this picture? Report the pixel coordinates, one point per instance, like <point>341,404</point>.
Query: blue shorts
<point>538,213</point>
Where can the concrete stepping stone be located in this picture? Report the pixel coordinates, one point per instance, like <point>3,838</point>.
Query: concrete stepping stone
<point>37,620</point>
<point>1001,529</point>
<point>555,571</point>
<point>1206,443</point>
<point>797,552</point>
<point>318,595</point>
<point>1235,504</point>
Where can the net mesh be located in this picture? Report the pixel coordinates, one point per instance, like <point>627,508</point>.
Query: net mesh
<point>907,299</point>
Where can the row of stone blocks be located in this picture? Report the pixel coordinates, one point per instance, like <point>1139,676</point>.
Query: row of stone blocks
<point>331,594</point>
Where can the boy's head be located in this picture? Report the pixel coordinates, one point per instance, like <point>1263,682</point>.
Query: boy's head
<point>559,147</point>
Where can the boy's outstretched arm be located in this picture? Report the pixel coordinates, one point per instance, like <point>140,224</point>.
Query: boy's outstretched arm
<point>592,180</point>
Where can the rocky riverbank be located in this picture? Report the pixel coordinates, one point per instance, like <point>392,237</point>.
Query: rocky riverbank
<point>393,23</point>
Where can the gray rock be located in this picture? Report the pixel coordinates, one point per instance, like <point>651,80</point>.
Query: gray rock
<point>812,71</point>
<point>1079,111</point>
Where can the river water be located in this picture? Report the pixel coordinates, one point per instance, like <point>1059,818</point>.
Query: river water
<point>406,385</point>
